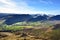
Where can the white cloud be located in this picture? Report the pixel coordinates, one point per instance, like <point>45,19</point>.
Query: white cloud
<point>7,3</point>
<point>46,1</point>
<point>54,12</point>
<point>9,6</point>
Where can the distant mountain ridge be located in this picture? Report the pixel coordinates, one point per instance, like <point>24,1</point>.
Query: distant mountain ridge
<point>13,18</point>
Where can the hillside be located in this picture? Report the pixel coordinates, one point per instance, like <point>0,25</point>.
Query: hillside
<point>13,18</point>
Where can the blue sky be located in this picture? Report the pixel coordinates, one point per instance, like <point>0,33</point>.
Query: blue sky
<point>30,6</point>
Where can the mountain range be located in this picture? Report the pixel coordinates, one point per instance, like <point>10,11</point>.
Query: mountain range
<point>13,18</point>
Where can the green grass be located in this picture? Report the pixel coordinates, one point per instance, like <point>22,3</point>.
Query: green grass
<point>14,27</point>
<point>22,25</point>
